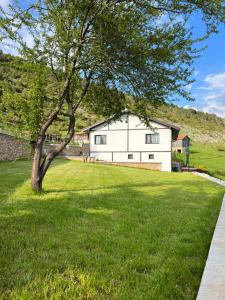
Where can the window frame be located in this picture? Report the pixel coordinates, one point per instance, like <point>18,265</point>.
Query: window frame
<point>152,156</point>
<point>132,156</point>
<point>150,135</point>
<point>100,135</point>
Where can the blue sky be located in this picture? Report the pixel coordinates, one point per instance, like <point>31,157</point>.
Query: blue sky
<point>209,87</point>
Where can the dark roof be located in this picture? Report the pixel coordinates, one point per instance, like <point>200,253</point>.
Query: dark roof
<point>95,125</point>
<point>171,126</point>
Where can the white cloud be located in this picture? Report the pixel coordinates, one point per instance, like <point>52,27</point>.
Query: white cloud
<point>214,99</point>
<point>4,4</point>
<point>189,86</point>
<point>165,19</point>
<point>216,81</point>
<point>190,107</point>
<point>196,72</point>
<point>11,47</point>
<point>27,37</point>
<point>204,88</point>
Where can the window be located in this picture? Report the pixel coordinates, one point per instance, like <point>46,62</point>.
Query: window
<point>151,156</point>
<point>152,138</point>
<point>130,156</point>
<point>100,139</point>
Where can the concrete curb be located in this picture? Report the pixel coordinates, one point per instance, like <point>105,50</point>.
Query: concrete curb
<point>211,178</point>
<point>212,286</point>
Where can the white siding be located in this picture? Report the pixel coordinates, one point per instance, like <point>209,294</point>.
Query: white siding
<point>115,141</point>
<point>137,140</point>
<point>163,157</point>
<point>136,123</point>
<point>124,138</point>
<point>123,157</point>
<point>120,124</point>
<point>102,156</point>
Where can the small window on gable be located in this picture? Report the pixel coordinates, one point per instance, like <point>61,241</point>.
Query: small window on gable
<point>151,156</point>
<point>100,139</point>
<point>152,138</point>
<point>130,156</point>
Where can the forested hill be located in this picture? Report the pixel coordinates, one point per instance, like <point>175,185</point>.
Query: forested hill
<point>201,127</point>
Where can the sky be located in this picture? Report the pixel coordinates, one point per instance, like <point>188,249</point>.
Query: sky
<point>208,90</point>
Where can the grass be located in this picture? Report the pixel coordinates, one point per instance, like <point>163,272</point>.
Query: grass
<point>104,232</point>
<point>212,157</point>
<point>209,157</point>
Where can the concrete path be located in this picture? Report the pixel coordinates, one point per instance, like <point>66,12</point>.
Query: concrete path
<point>212,285</point>
<point>206,176</point>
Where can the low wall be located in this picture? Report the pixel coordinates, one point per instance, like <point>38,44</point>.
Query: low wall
<point>149,166</point>
<point>12,148</point>
<point>70,150</point>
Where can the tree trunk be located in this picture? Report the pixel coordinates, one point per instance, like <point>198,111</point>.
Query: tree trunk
<point>40,166</point>
<point>32,148</point>
<point>36,178</point>
<point>37,185</point>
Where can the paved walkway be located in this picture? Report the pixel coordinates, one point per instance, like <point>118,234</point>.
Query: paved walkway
<point>212,285</point>
<point>206,176</point>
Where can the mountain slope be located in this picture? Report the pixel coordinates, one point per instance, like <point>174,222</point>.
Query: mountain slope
<point>201,127</point>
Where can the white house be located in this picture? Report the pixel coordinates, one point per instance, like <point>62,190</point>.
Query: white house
<point>128,140</point>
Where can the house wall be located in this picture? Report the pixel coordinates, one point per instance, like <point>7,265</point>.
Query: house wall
<point>127,136</point>
<point>180,145</point>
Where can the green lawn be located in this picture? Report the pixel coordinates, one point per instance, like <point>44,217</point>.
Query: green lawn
<point>212,157</point>
<point>104,232</point>
<point>209,157</point>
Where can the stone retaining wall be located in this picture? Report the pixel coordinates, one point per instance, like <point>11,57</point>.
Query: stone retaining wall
<point>12,148</point>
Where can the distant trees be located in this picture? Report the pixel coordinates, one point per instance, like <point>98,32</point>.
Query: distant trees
<point>93,52</point>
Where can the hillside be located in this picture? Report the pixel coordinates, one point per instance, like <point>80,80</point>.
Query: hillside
<point>201,127</point>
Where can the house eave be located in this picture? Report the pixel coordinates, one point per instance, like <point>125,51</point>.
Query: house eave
<point>160,122</point>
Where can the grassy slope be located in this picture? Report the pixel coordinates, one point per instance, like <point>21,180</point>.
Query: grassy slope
<point>104,232</point>
<point>207,132</point>
<point>207,157</point>
<point>211,157</point>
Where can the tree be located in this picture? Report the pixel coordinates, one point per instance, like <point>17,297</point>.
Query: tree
<point>95,51</point>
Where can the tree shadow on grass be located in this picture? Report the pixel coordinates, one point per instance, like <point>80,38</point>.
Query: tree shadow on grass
<point>14,174</point>
<point>126,242</point>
